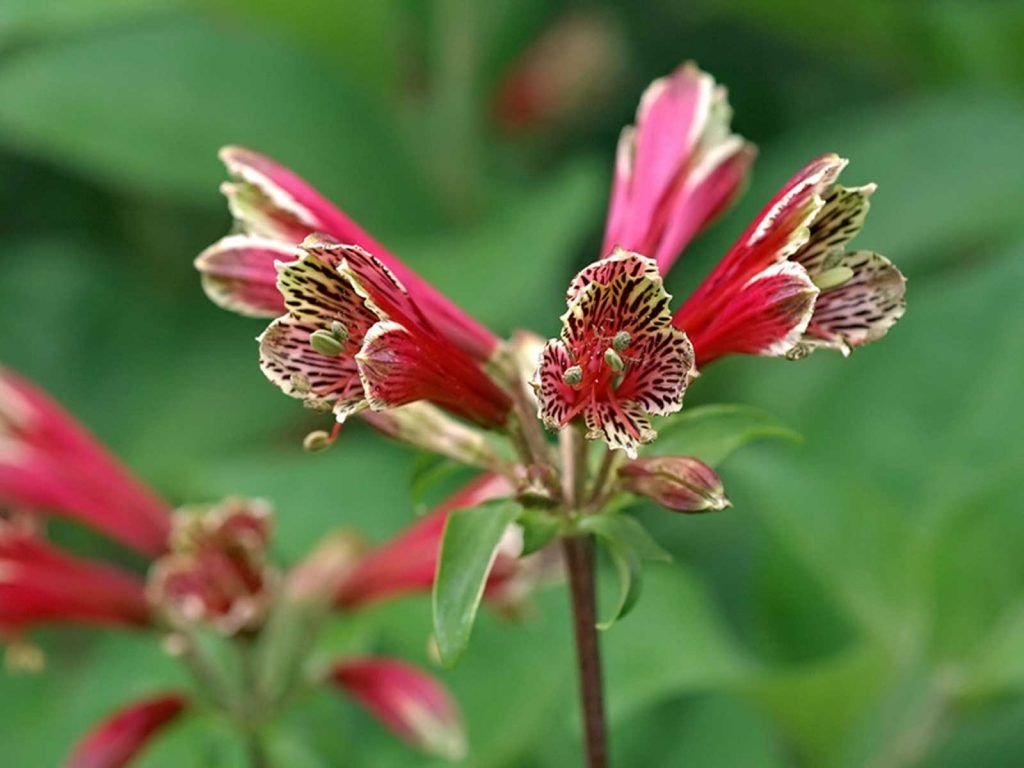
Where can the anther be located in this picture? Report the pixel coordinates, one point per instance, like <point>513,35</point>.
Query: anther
<point>326,343</point>
<point>620,341</point>
<point>611,357</point>
<point>573,376</point>
<point>316,441</point>
<point>832,278</point>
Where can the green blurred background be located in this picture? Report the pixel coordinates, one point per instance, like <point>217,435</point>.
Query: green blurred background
<point>861,605</point>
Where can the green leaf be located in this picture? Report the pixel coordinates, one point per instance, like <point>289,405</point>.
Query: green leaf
<point>712,433</point>
<point>468,548</point>
<point>629,545</point>
<point>539,528</point>
<point>192,87</point>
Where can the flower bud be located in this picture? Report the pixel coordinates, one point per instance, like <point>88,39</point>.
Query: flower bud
<point>680,483</point>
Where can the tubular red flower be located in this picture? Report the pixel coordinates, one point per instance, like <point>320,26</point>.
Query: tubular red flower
<point>676,169</point>
<point>407,563</point>
<point>41,584</point>
<point>50,464</point>
<point>414,705</point>
<point>116,741</point>
<point>353,337</point>
<point>787,286</point>
<point>271,203</point>
<point>618,358</point>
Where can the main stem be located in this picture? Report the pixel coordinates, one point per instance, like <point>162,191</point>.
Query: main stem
<point>579,560</point>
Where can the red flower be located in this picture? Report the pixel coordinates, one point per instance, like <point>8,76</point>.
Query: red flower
<point>115,742</point>
<point>276,210</point>
<point>676,169</point>
<point>788,286</point>
<point>50,464</point>
<point>354,337</point>
<point>619,358</point>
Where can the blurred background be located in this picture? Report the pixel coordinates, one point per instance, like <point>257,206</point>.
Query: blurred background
<point>863,602</point>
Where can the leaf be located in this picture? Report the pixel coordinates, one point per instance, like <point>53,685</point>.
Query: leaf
<point>468,548</point>
<point>629,545</point>
<point>539,528</point>
<point>712,433</point>
<point>192,87</point>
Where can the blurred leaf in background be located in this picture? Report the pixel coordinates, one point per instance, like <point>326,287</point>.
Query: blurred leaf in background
<point>863,602</point>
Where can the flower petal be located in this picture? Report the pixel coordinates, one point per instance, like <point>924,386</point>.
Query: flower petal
<point>660,369</point>
<point>556,399</point>
<point>623,426</point>
<point>677,168</point>
<point>116,741</point>
<point>40,583</point>
<point>398,366</point>
<point>840,219</point>
<point>50,464</point>
<point>862,309</point>
<point>414,705</point>
<point>777,233</point>
<point>298,370</point>
<point>767,317</point>
<point>238,274</point>
<point>269,200</point>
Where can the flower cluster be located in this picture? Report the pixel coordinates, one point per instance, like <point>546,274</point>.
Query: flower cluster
<point>209,570</point>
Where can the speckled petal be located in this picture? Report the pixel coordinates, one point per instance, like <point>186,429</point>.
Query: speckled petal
<point>837,223</point>
<point>621,263</point>
<point>288,360</point>
<point>623,426</point>
<point>555,398</point>
<point>862,309</point>
<point>660,368</point>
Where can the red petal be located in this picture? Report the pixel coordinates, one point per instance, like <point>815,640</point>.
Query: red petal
<point>414,705</point>
<point>115,742</point>
<point>50,464</point>
<point>239,274</point>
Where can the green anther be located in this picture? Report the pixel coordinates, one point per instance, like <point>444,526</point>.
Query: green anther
<point>611,357</point>
<point>620,341</point>
<point>300,383</point>
<point>339,331</point>
<point>573,376</point>
<point>832,278</point>
<point>324,342</point>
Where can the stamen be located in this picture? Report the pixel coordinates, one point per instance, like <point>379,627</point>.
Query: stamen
<point>612,359</point>
<point>620,341</point>
<point>573,376</point>
<point>339,331</point>
<point>832,278</point>
<point>300,383</point>
<point>320,440</point>
<point>324,342</point>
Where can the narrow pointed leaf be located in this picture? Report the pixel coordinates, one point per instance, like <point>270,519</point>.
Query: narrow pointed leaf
<point>468,548</point>
<point>629,545</point>
<point>712,433</point>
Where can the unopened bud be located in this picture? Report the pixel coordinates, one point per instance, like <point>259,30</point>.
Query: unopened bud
<point>620,341</point>
<point>573,376</point>
<point>611,357</point>
<point>832,278</point>
<point>317,440</point>
<point>324,342</point>
<point>680,483</point>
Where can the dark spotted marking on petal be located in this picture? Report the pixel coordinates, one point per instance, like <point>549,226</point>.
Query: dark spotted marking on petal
<point>836,224</point>
<point>624,428</point>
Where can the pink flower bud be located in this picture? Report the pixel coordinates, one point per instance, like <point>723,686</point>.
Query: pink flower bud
<point>680,483</point>
<point>116,741</point>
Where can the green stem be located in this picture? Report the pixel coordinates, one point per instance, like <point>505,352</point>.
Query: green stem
<point>579,560</point>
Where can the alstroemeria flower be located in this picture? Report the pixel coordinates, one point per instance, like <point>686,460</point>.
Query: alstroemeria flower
<point>788,285</point>
<point>216,572</point>
<point>414,705</point>
<point>679,483</point>
<point>118,740</point>
<point>676,169</point>
<point>619,359</point>
<point>276,210</point>
<point>51,465</point>
<point>353,337</point>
